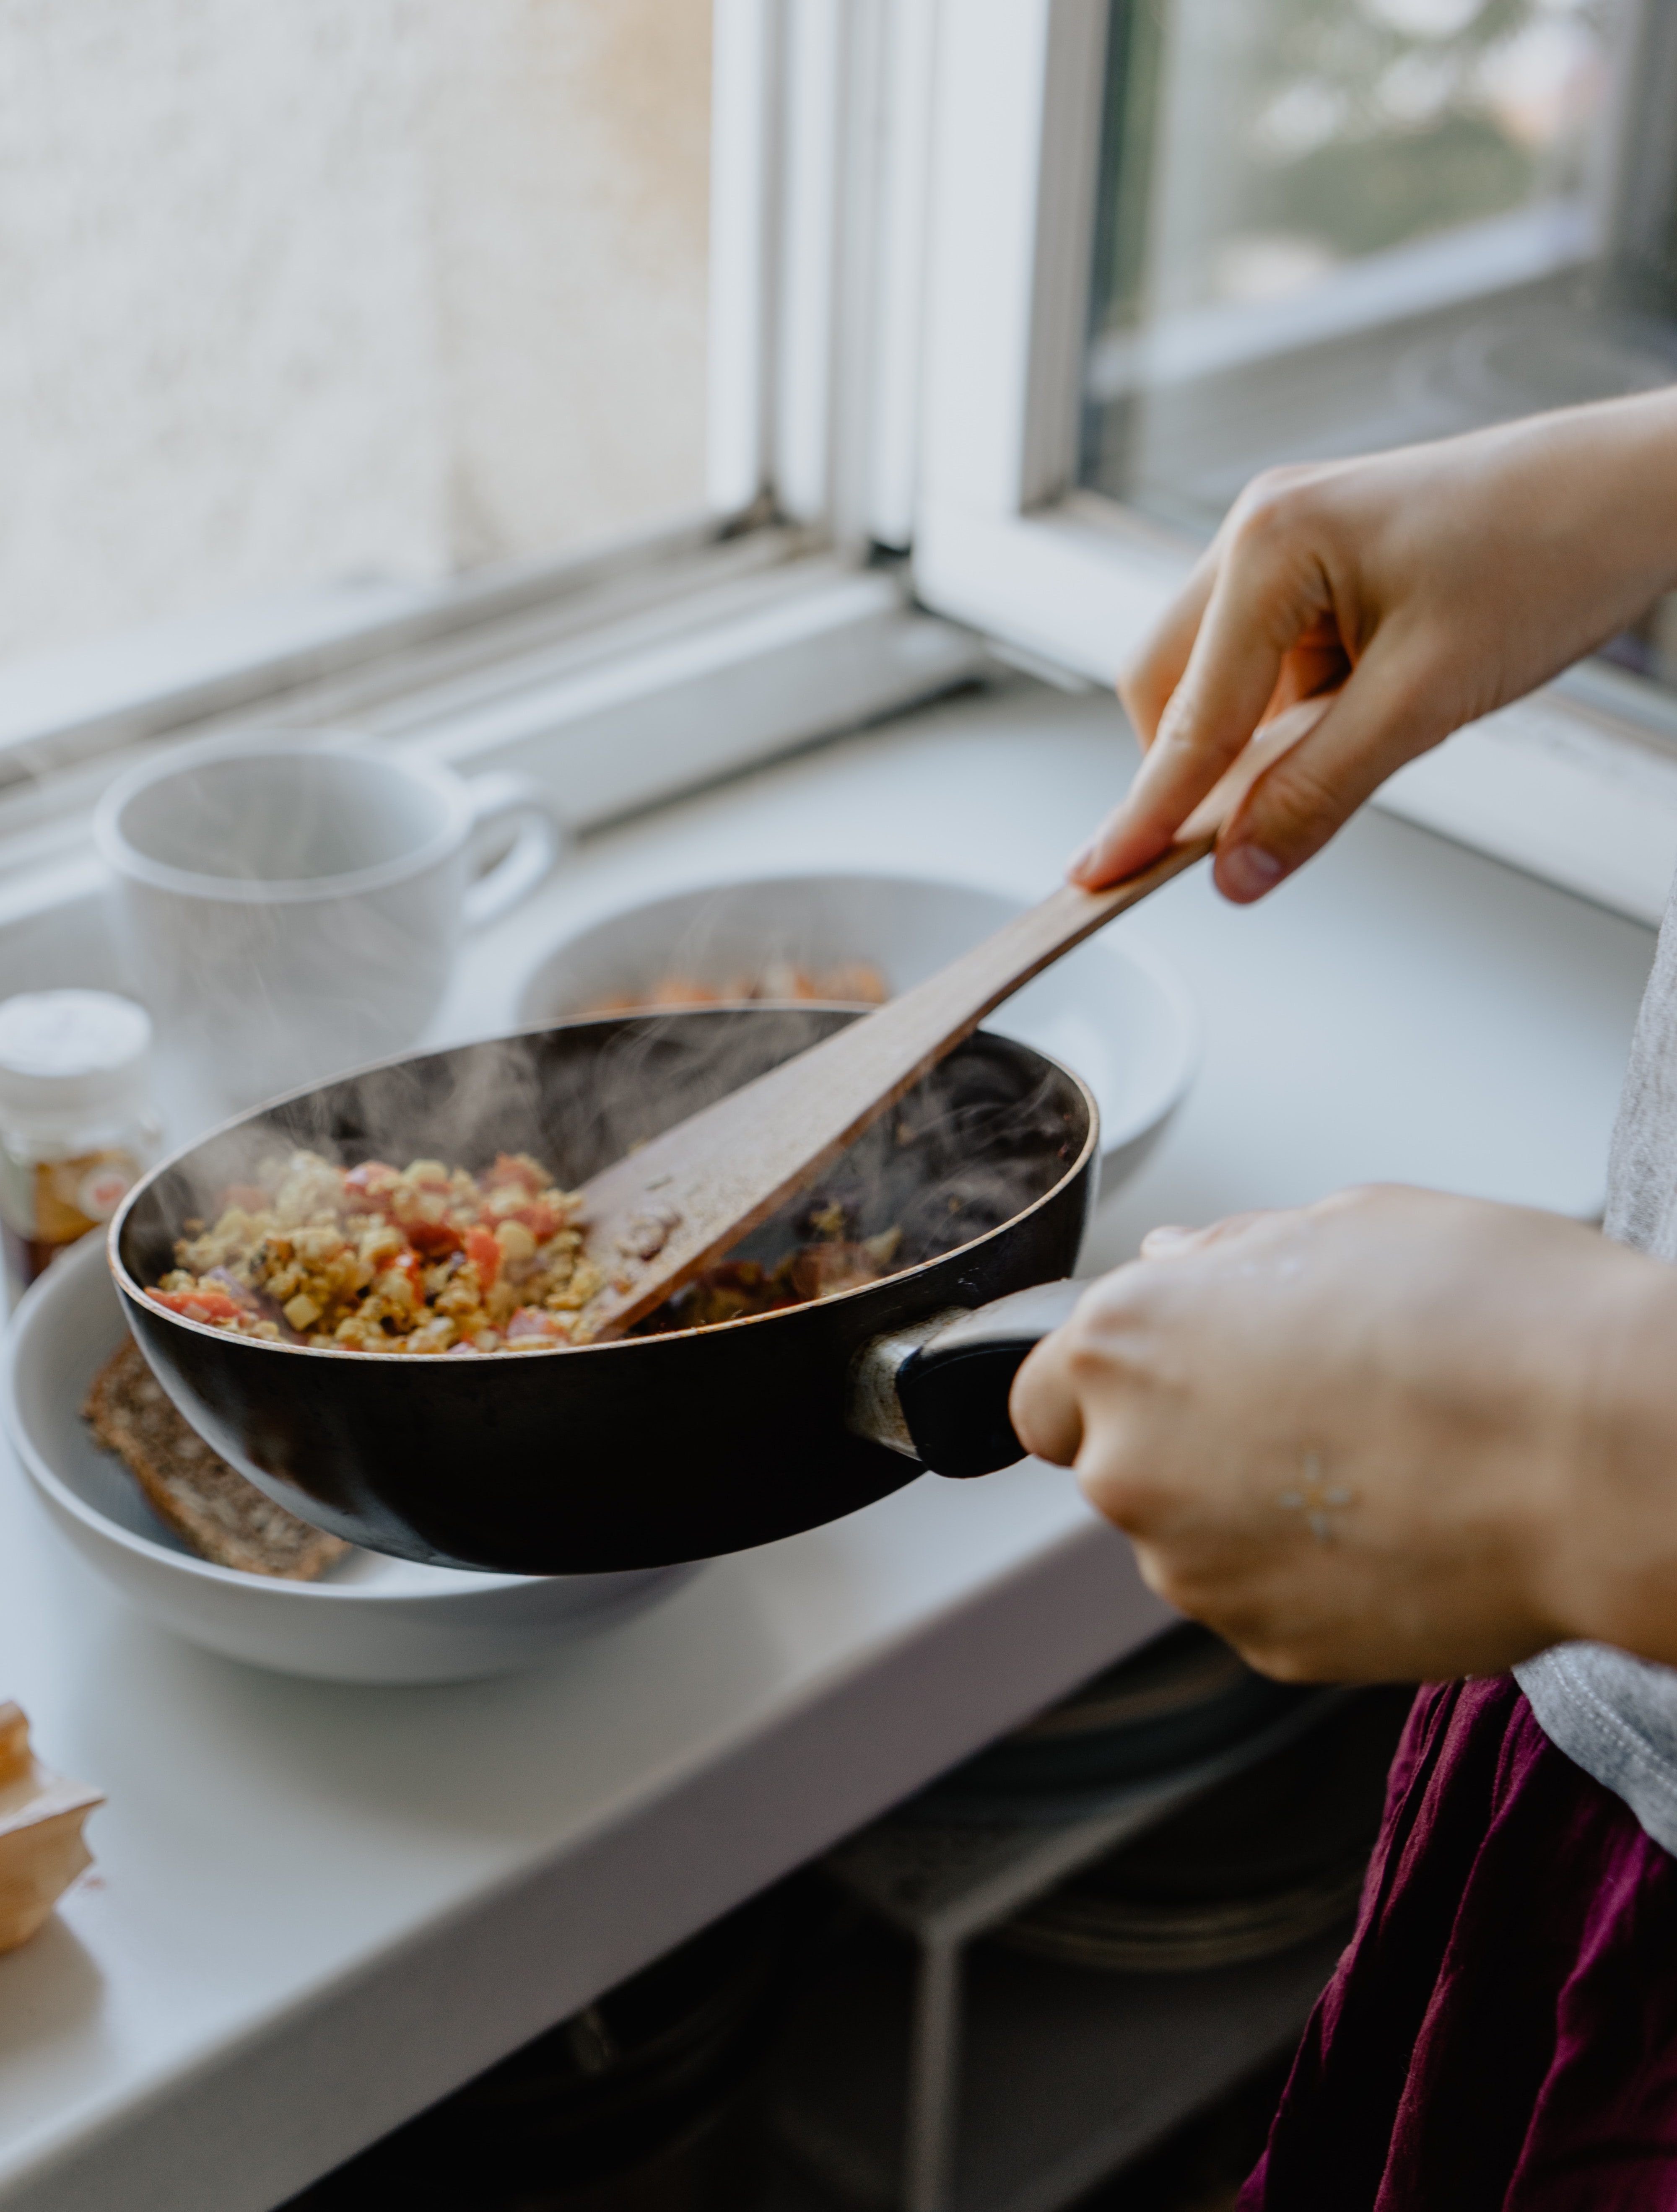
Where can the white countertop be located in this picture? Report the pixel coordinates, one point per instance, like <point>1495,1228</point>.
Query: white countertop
<point>316,1909</point>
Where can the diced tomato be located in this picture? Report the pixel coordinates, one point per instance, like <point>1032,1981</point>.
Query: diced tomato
<point>370,1185</point>
<point>249,1197</point>
<point>200,1305</point>
<point>435,1239</point>
<point>540,1220</point>
<point>509,1170</point>
<point>530,1321</point>
<point>484,1255</point>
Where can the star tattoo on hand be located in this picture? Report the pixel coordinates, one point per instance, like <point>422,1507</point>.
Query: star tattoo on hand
<point>1316,1500</point>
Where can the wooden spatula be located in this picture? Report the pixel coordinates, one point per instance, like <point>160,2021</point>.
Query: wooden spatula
<point>655,1218</point>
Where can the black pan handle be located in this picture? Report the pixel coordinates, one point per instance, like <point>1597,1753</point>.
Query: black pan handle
<point>938,1393</point>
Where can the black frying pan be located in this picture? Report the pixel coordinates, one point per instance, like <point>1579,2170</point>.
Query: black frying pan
<point>661,1448</point>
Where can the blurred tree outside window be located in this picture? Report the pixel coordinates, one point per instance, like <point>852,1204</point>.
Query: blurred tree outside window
<point>1328,226</point>
<point>1291,137</point>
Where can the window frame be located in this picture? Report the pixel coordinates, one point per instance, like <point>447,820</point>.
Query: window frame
<point>1579,785</point>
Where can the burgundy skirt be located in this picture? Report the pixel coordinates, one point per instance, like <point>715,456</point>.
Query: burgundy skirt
<point>1501,2034</point>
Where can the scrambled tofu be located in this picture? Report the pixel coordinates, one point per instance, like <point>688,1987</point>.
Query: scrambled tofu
<point>421,1259</point>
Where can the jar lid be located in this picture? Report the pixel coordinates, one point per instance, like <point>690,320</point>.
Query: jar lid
<point>69,1054</point>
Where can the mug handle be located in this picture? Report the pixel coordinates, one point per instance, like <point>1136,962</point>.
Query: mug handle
<point>534,849</point>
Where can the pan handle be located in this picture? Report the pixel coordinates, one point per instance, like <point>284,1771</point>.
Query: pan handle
<point>938,1393</point>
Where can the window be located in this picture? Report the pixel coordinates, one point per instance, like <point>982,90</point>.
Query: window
<point>305,293</point>
<point>1323,227</point>
<point>341,339</point>
<point>499,378</point>
<point>1172,241</point>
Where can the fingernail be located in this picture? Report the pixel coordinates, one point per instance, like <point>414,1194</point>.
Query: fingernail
<point>1080,860</point>
<point>1165,1239</point>
<point>1247,871</point>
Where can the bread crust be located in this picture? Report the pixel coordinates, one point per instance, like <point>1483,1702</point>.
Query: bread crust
<point>208,1503</point>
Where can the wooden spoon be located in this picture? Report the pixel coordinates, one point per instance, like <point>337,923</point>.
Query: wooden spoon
<point>656,1216</point>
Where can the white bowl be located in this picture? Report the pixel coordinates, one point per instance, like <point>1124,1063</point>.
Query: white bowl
<point>367,1620</point>
<point>1112,1011</point>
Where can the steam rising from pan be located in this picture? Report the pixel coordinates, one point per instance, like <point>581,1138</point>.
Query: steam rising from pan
<point>1115,1009</point>
<point>963,1153</point>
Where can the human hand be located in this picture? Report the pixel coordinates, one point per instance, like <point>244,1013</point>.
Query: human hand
<point>1411,592</point>
<point>1392,1436</point>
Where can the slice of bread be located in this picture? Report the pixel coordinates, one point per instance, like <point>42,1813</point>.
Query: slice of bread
<point>224,1518</point>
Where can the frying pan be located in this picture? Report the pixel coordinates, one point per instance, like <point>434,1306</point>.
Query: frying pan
<point>654,1449</point>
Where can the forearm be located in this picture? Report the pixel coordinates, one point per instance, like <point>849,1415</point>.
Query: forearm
<point>1584,508</point>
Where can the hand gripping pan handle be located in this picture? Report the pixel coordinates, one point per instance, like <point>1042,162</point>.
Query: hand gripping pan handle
<point>938,1391</point>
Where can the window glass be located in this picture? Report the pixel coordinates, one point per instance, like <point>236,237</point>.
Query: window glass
<point>1328,225</point>
<point>301,291</point>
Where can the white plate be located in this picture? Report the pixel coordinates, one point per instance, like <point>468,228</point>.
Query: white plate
<point>1116,1013</point>
<point>367,1620</point>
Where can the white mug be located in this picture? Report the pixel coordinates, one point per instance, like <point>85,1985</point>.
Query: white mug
<point>289,908</point>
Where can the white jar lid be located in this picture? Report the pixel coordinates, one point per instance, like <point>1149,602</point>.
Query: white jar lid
<point>67,1054</point>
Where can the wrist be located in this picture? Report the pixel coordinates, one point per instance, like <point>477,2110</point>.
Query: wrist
<point>1590,492</point>
<point>1604,1542</point>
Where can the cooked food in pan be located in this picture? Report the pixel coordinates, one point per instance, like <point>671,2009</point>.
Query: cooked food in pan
<point>224,1518</point>
<point>833,1259</point>
<point>430,1259</point>
<point>373,1257</point>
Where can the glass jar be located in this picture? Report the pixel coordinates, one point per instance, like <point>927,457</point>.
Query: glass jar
<point>77,1127</point>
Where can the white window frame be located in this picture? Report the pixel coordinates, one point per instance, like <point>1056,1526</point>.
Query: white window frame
<point>1579,785</point>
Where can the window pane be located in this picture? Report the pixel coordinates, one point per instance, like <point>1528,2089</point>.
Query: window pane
<point>1327,225</point>
<point>297,290</point>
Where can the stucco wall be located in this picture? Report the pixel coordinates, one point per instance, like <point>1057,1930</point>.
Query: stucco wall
<point>294,291</point>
